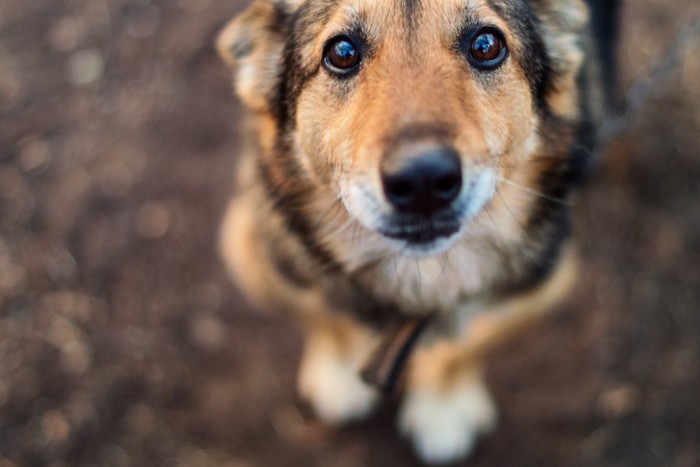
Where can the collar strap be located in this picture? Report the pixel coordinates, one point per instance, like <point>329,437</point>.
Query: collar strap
<point>386,363</point>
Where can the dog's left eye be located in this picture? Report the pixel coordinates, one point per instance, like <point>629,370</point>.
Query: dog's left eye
<point>341,56</point>
<point>487,48</point>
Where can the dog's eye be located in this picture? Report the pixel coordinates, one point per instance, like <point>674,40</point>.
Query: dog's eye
<point>487,49</point>
<point>341,56</point>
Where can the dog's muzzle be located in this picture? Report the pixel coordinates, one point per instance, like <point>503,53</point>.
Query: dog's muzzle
<point>425,197</point>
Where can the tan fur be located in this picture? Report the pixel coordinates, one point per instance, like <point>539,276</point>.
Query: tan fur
<point>341,139</point>
<point>484,125</point>
<point>442,364</point>
<point>257,60</point>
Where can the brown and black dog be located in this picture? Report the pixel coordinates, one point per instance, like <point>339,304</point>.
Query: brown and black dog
<point>415,161</point>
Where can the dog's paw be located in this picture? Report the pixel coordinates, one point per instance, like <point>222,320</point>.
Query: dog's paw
<point>444,426</point>
<point>334,389</point>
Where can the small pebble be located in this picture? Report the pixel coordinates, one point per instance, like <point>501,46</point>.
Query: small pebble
<point>113,455</point>
<point>64,34</point>
<point>140,419</point>
<point>194,6</point>
<point>10,182</point>
<point>85,67</point>
<point>208,332</point>
<point>144,23</point>
<point>54,426</point>
<point>619,401</point>
<point>34,155</point>
<point>152,220</point>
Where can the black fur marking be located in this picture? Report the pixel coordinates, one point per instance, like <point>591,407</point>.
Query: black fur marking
<point>605,16</point>
<point>411,10</point>
<point>288,268</point>
<point>548,221</point>
<point>293,75</point>
<point>348,295</point>
<point>533,58</point>
<point>571,171</point>
<point>569,143</point>
<point>289,201</point>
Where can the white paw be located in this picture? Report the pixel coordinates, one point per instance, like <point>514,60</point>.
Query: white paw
<point>445,426</point>
<point>334,389</point>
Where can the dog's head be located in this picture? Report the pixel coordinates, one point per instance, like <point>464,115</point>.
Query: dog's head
<point>420,115</point>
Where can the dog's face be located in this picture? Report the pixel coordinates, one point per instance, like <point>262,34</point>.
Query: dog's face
<point>421,116</point>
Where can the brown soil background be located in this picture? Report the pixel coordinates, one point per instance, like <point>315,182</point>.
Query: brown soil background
<point>123,343</point>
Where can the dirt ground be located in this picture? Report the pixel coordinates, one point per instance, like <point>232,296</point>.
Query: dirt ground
<point>123,343</point>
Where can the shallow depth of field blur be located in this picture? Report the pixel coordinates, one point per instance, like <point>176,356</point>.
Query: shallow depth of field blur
<point>123,343</point>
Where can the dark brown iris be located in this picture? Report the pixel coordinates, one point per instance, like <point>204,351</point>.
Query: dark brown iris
<point>487,47</point>
<point>342,55</point>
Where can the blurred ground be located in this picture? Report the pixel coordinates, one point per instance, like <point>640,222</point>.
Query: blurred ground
<point>122,342</point>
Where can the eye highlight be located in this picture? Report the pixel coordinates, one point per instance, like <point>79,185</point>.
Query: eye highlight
<point>486,49</point>
<point>341,56</point>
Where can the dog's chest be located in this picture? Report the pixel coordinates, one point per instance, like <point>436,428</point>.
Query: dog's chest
<point>423,285</point>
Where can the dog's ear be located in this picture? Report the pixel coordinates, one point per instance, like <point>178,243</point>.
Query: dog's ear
<point>565,24</point>
<point>252,45</point>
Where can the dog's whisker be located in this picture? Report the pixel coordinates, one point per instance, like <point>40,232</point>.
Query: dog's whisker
<point>353,236</point>
<point>525,251</point>
<point>442,259</point>
<point>522,228</point>
<point>532,192</point>
<point>396,272</point>
<point>420,285</point>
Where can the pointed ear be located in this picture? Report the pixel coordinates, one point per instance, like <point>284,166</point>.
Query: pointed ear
<point>252,44</point>
<point>565,24</point>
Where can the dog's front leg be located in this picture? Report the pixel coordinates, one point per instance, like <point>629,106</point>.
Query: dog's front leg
<point>329,380</point>
<point>447,405</point>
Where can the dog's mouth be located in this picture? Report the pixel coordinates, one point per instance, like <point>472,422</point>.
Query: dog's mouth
<point>421,232</point>
<point>420,235</point>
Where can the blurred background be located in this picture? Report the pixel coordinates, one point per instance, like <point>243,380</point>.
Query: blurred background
<point>123,343</point>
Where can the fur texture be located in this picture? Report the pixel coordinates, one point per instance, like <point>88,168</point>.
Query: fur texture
<point>316,230</point>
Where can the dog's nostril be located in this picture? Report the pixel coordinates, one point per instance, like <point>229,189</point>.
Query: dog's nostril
<point>447,185</point>
<point>428,182</point>
<point>399,190</point>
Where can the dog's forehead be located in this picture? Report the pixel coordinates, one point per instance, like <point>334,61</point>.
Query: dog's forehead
<point>381,17</point>
<point>426,23</point>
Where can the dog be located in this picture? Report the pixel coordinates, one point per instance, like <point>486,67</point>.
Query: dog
<point>408,195</point>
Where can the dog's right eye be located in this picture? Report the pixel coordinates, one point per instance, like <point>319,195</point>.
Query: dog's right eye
<point>341,56</point>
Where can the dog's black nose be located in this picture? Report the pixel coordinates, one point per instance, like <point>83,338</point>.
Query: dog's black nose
<point>425,183</point>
